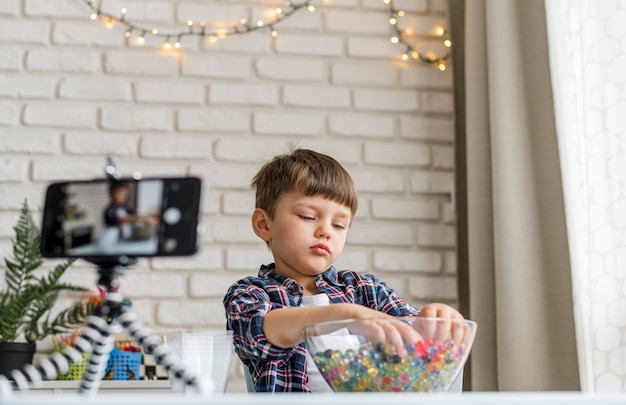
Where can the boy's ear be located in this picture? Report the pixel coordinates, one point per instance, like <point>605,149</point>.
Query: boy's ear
<point>260,224</point>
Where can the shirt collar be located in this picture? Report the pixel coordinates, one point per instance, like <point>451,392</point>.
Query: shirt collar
<point>330,276</point>
<point>268,272</point>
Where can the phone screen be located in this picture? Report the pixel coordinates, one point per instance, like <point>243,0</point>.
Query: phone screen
<point>135,218</point>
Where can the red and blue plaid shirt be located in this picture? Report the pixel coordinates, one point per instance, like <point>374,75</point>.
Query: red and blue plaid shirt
<point>276,369</point>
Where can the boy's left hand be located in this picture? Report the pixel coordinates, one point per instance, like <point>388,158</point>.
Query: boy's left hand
<point>457,331</point>
<point>438,310</point>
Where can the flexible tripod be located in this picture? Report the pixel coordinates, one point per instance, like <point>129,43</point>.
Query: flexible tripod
<point>97,340</point>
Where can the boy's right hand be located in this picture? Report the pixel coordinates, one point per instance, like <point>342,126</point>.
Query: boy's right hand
<point>389,330</point>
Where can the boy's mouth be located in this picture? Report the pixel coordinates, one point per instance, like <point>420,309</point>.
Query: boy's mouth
<point>320,249</point>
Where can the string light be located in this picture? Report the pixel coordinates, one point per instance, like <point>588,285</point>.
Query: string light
<point>280,13</point>
<point>141,39</point>
<point>193,29</point>
<point>410,52</point>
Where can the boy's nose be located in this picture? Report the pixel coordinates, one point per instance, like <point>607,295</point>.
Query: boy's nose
<point>323,231</point>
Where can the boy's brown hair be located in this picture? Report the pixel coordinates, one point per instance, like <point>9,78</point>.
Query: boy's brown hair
<point>306,171</point>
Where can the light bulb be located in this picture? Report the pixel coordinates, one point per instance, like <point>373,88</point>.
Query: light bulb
<point>395,40</point>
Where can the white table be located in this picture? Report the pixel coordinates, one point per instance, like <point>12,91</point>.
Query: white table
<point>106,387</point>
<point>118,247</point>
<point>500,398</point>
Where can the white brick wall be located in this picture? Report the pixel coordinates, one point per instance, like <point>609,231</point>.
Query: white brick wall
<point>73,91</point>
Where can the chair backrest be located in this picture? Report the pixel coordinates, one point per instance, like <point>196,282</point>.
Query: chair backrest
<point>249,381</point>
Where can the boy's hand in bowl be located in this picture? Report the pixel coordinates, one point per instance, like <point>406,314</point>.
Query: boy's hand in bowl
<point>387,330</point>
<point>457,331</point>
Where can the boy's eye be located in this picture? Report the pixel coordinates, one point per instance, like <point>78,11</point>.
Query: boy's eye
<point>339,226</point>
<point>306,217</point>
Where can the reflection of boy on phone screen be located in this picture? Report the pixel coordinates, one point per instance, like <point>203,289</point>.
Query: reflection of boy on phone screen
<point>119,213</point>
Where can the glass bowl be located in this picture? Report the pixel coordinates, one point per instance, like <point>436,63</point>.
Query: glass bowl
<point>412,354</point>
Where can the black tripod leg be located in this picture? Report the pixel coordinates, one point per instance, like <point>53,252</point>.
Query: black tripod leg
<point>49,368</point>
<point>101,334</point>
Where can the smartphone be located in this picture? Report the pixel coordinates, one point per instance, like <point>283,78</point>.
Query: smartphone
<point>107,219</point>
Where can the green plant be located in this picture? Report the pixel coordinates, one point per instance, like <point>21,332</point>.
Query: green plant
<point>27,300</point>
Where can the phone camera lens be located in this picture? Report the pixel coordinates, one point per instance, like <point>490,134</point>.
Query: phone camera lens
<point>170,245</point>
<point>172,216</point>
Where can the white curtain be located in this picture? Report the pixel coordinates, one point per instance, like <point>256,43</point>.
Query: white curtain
<point>587,45</point>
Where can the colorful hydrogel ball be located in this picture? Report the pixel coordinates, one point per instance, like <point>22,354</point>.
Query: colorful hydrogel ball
<point>428,367</point>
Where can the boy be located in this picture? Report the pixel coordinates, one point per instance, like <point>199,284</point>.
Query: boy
<point>305,203</point>
<point>119,213</point>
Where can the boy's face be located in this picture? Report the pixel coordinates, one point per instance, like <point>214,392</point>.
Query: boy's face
<point>119,195</point>
<point>307,234</point>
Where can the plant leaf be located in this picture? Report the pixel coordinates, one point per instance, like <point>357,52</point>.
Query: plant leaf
<point>26,302</point>
<point>25,258</point>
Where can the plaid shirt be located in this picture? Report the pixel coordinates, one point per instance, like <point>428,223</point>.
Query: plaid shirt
<point>276,369</point>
